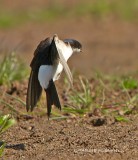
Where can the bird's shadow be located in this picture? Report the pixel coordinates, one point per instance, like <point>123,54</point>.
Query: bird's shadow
<point>19,146</point>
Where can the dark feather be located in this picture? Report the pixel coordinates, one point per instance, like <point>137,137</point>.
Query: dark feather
<point>52,97</point>
<point>73,43</point>
<point>55,97</point>
<point>34,91</point>
<point>41,54</point>
<point>49,101</point>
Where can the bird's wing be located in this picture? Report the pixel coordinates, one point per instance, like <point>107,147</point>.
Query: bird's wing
<point>65,65</point>
<point>41,54</point>
<point>34,89</point>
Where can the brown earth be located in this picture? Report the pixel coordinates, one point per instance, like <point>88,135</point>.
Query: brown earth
<point>110,45</point>
<point>93,136</point>
<point>75,138</point>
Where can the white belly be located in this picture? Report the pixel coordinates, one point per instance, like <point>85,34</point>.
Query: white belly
<point>47,73</point>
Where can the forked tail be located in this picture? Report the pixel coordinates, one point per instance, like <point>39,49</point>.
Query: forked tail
<point>52,97</point>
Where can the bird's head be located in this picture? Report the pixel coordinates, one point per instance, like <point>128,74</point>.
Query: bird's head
<point>75,45</point>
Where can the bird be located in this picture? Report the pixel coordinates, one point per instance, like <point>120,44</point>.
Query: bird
<point>49,60</point>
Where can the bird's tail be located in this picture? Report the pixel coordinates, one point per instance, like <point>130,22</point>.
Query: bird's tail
<point>52,97</point>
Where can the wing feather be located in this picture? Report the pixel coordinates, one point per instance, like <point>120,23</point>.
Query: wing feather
<point>41,54</point>
<point>64,64</point>
<point>66,67</point>
<point>34,91</point>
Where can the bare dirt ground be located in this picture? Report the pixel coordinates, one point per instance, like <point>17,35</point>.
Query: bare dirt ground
<point>109,45</point>
<point>93,136</point>
<point>76,138</point>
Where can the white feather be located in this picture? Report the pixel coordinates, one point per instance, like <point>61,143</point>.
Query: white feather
<point>66,49</point>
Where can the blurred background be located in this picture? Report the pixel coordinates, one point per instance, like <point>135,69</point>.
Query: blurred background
<point>107,29</point>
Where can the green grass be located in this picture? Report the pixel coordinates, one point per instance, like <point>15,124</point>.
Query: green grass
<point>129,83</point>
<point>12,19</point>
<point>121,119</point>
<point>12,69</point>
<point>6,121</point>
<point>80,99</point>
<point>125,10</point>
<point>11,106</point>
<point>110,94</point>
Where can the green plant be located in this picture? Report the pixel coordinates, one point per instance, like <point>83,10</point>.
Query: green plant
<point>129,83</point>
<point>5,123</point>
<point>10,106</point>
<point>81,98</point>
<point>11,69</point>
<point>11,19</point>
<point>121,119</point>
<point>125,9</point>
